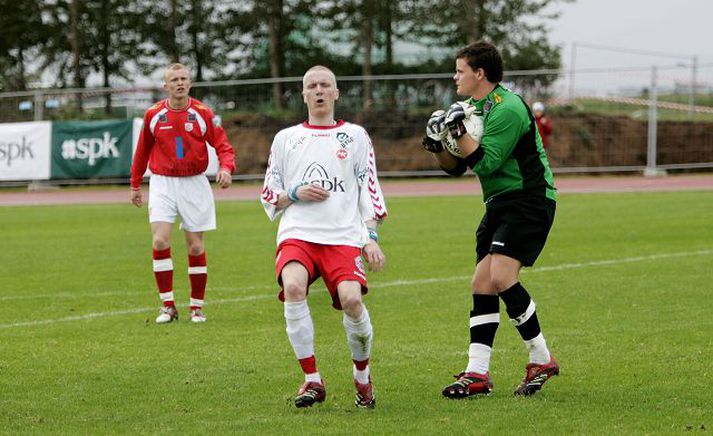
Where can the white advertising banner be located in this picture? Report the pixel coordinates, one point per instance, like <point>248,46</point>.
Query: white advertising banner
<point>212,156</point>
<point>25,150</point>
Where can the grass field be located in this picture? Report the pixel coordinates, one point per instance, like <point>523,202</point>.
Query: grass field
<point>623,291</point>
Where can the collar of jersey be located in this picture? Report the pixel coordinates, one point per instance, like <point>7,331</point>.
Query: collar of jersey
<point>185,108</point>
<point>306,124</point>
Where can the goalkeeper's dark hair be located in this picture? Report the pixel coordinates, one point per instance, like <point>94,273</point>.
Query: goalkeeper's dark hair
<point>483,55</point>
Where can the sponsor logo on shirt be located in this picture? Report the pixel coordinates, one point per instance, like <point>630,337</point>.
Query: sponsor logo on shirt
<point>296,141</point>
<point>344,139</point>
<point>317,175</point>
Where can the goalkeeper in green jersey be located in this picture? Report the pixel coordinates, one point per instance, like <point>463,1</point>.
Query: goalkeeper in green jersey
<point>519,195</point>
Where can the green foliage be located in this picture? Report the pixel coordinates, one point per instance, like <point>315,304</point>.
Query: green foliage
<point>21,33</point>
<point>621,283</point>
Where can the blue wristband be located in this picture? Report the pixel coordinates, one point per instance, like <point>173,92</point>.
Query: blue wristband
<point>292,193</point>
<point>373,235</point>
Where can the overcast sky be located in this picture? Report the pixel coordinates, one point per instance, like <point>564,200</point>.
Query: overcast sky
<point>681,27</point>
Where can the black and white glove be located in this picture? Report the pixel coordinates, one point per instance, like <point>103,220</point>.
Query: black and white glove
<point>436,132</point>
<point>454,120</point>
<point>431,145</point>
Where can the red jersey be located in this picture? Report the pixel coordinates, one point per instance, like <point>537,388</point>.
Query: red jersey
<point>173,142</point>
<point>544,125</point>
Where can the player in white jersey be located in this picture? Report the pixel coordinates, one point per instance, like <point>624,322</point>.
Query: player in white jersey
<point>321,179</point>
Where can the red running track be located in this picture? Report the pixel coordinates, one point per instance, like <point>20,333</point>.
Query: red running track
<point>391,188</point>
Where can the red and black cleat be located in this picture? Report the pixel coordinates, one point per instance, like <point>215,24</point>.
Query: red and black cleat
<point>310,393</point>
<point>536,375</point>
<point>364,395</point>
<point>468,384</point>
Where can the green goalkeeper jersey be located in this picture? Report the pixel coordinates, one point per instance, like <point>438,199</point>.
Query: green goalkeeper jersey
<point>511,157</point>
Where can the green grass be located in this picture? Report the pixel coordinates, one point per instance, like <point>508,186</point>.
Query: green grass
<point>79,352</point>
<point>637,112</point>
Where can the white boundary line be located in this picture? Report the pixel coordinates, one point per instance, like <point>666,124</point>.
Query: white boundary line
<point>375,286</point>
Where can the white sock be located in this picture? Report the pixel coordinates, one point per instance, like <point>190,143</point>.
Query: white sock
<point>478,358</point>
<point>300,329</point>
<point>314,377</point>
<point>362,377</point>
<point>359,335</point>
<point>537,347</point>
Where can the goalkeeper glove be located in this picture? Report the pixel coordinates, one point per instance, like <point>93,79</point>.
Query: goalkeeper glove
<point>454,119</point>
<point>432,145</point>
<point>436,127</point>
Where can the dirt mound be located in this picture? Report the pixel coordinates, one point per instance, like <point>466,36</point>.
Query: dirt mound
<point>581,140</point>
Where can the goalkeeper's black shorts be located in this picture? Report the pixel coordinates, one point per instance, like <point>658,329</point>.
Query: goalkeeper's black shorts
<point>516,226</point>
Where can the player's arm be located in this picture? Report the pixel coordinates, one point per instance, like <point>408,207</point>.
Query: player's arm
<point>501,135</point>
<point>373,255</point>
<point>141,161</point>
<point>436,131</point>
<point>372,207</point>
<point>217,137</point>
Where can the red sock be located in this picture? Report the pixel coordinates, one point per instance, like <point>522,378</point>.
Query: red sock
<point>198,275</point>
<point>361,364</point>
<point>308,364</point>
<point>163,272</point>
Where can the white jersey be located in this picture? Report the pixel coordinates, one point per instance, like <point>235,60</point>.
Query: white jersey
<point>338,158</point>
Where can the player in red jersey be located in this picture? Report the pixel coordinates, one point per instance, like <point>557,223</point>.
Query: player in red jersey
<point>173,143</point>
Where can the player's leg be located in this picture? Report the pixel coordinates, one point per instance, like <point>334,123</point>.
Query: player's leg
<point>197,274</point>
<point>522,312</point>
<point>358,328</point>
<point>162,214</point>
<point>163,270</point>
<point>484,322</point>
<point>484,319</point>
<point>196,206</point>
<point>295,280</point>
<point>528,223</point>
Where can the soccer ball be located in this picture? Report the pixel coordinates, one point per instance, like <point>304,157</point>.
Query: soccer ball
<point>473,124</point>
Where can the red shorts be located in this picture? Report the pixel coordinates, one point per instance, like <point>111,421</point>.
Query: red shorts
<point>334,263</point>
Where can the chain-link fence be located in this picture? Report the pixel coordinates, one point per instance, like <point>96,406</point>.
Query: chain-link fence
<point>637,119</point>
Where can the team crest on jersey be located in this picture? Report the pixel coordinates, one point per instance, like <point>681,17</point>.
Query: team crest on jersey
<point>342,153</point>
<point>191,117</point>
<point>344,139</point>
<point>488,105</point>
<point>163,118</point>
<point>189,127</point>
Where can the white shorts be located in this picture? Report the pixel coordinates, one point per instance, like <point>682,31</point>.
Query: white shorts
<point>190,197</point>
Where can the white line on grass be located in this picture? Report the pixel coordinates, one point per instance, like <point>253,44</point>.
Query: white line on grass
<point>376,286</point>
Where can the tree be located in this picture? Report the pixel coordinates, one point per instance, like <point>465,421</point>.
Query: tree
<point>198,33</point>
<point>21,33</point>
<point>517,27</point>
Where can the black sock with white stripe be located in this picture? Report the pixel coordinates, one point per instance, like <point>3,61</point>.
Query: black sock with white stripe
<point>484,321</point>
<point>522,312</point>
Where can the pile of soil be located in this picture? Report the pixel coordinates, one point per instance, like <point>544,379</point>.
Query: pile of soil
<point>578,140</point>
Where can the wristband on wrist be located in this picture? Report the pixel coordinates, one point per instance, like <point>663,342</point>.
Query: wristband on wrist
<point>292,192</point>
<point>373,234</point>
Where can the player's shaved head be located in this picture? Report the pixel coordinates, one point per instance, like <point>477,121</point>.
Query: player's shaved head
<point>316,68</point>
<point>175,67</point>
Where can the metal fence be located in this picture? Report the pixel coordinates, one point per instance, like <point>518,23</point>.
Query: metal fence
<point>637,119</point>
